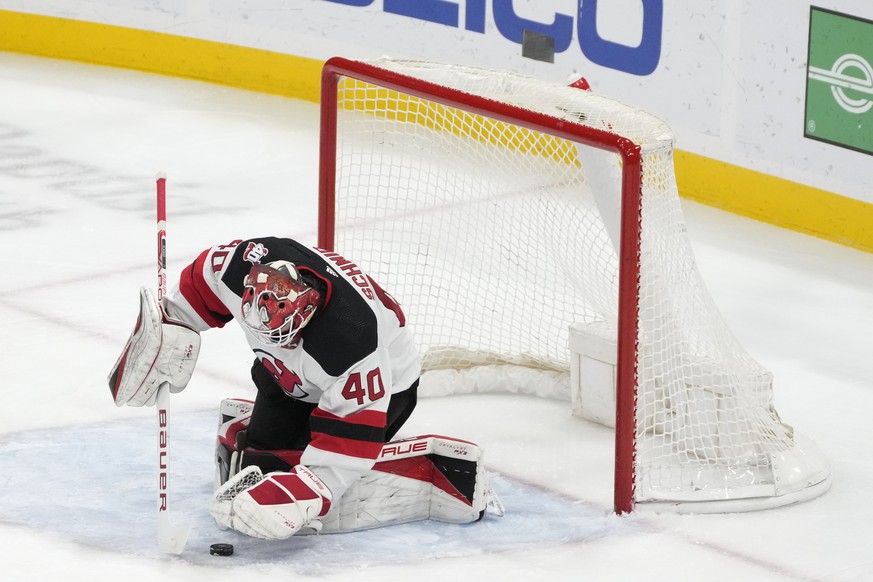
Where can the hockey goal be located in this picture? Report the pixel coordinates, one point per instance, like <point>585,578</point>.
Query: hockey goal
<point>533,233</point>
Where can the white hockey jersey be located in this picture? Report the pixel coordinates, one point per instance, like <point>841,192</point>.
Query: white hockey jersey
<point>349,360</point>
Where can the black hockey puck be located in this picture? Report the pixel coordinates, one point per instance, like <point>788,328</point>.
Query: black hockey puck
<point>221,549</point>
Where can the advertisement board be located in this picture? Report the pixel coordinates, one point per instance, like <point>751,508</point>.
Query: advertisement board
<point>768,100</point>
<point>839,86</point>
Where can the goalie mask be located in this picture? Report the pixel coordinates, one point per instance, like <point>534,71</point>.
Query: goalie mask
<point>277,303</point>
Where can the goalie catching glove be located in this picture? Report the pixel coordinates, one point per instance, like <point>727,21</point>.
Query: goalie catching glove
<point>160,350</point>
<point>274,506</point>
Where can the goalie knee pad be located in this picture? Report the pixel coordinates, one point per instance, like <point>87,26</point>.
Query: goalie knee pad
<point>233,420</point>
<point>232,453</point>
<point>232,408</point>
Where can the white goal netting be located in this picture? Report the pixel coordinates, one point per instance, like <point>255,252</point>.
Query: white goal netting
<point>496,236</point>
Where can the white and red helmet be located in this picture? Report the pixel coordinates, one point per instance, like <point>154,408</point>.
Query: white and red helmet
<point>277,303</point>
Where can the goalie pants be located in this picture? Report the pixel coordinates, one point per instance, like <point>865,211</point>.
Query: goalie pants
<point>280,422</point>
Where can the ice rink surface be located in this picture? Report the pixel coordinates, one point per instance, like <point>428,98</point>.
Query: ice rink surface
<point>79,150</point>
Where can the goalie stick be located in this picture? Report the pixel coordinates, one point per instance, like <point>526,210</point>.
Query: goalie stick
<point>171,538</point>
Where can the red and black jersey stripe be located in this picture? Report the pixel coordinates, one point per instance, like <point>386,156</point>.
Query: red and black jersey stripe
<point>361,434</point>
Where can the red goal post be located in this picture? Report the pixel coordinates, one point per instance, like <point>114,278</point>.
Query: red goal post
<point>390,129</point>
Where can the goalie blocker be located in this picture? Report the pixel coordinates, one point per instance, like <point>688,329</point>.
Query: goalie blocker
<point>268,494</point>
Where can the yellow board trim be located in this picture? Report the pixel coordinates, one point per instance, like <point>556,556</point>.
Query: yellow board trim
<point>732,188</point>
<point>166,54</point>
<point>776,201</point>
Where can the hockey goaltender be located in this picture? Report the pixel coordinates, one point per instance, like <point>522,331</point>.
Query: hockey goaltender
<point>337,373</point>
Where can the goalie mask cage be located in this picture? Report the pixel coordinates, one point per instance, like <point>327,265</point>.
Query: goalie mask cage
<point>507,214</point>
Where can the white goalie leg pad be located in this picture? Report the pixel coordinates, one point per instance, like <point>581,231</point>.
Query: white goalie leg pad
<point>159,350</point>
<point>445,504</point>
<point>429,477</point>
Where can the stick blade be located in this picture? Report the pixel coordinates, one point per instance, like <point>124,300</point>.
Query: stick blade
<point>171,538</point>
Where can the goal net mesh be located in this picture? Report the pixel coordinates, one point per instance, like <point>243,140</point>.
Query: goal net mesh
<point>495,238</point>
